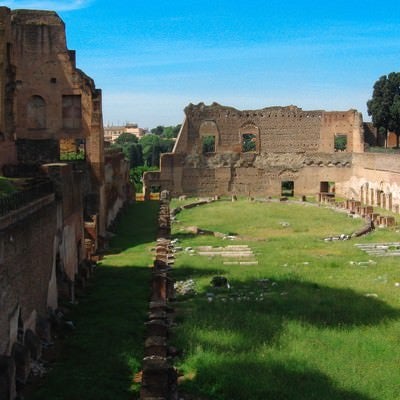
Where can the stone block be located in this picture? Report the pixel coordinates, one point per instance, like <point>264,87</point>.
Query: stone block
<point>156,346</point>
<point>157,327</point>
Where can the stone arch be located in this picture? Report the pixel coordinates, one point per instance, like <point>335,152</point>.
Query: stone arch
<point>36,113</point>
<point>249,134</point>
<point>208,130</point>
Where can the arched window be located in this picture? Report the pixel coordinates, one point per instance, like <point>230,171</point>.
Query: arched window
<point>36,113</point>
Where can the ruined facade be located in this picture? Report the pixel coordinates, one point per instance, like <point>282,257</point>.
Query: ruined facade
<point>52,144</point>
<point>224,151</point>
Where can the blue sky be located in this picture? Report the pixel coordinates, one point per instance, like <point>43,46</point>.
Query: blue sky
<point>153,58</point>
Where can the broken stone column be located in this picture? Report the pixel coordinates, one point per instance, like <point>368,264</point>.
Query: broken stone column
<point>158,380</point>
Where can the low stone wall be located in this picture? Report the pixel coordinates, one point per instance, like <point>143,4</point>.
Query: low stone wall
<point>159,377</point>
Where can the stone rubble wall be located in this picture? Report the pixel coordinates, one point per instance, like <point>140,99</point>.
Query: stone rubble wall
<point>159,377</point>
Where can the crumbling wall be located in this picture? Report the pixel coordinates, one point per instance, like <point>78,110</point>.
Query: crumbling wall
<point>7,88</point>
<point>116,182</point>
<point>26,265</point>
<point>287,144</point>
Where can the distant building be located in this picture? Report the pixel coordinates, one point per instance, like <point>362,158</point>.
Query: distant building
<point>111,133</point>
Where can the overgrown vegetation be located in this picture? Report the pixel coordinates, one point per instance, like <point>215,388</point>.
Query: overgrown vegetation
<point>99,358</point>
<point>136,176</point>
<point>6,186</point>
<point>313,320</point>
<point>340,143</point>
<point>144,153</point>
<point>72,156</point>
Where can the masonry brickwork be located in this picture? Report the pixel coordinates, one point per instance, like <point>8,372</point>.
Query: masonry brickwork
<point>288,145</point>
<point>48,108</point>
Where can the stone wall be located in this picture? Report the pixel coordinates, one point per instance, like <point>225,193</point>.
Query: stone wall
<point>288,144</point>
<point>7,88</point>
<point>117,185</point>
<point>45,102</point>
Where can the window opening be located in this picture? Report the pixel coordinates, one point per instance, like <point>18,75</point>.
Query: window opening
<point>208,144</point>
<point>249,142</point>
<point>287,189</point>
<point>340,143</point>
<point>72,149</point>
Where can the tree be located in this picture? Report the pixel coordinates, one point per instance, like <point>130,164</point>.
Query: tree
<point>151,149</point>
<point>384,107</point>
<point>158,131</point>
<point>167,132</point>
<point>126,138</point>
<point>135,155</point>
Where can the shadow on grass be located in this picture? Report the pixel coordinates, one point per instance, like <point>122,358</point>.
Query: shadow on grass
<point>98,358</point>
<point>183,273</point>
<point>219,335</point>
<point>135,225</point>
<point>229,380</point>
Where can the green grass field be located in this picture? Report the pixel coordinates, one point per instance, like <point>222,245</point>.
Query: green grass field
<point>310,332</point>
<point>98,360</point>
<point>326,324</point>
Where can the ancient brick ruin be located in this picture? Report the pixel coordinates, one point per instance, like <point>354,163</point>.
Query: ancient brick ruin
<point>53,226</point>
<point>224,151</point>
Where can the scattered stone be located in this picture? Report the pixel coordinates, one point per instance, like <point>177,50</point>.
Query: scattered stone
<point>184,288</point>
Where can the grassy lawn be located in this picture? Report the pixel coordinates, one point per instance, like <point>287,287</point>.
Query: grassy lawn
<point>313,320</point>
<point>98,359</point>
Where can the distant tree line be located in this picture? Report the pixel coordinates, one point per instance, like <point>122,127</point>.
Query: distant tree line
<point>384,106</point>
<point>144,153</point>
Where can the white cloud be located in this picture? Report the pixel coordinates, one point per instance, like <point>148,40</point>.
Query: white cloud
<point>54,5</point>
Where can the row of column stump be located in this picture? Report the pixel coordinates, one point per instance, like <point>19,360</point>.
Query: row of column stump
<point>159,377</point>
<point>356,207</point>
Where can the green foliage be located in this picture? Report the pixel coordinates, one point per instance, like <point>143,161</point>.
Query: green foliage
<point>248,142</point>
<point>167,132</point>
<point>135,155</point>
<point>126,138</point>
<point>384,107</point>
<point>98,359</point>
<point>152,147</point>
<point>340,142</point>
<point>208,144</point>
<point>72,156</point>
<point>6,186</point>
<point>136,176</point>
